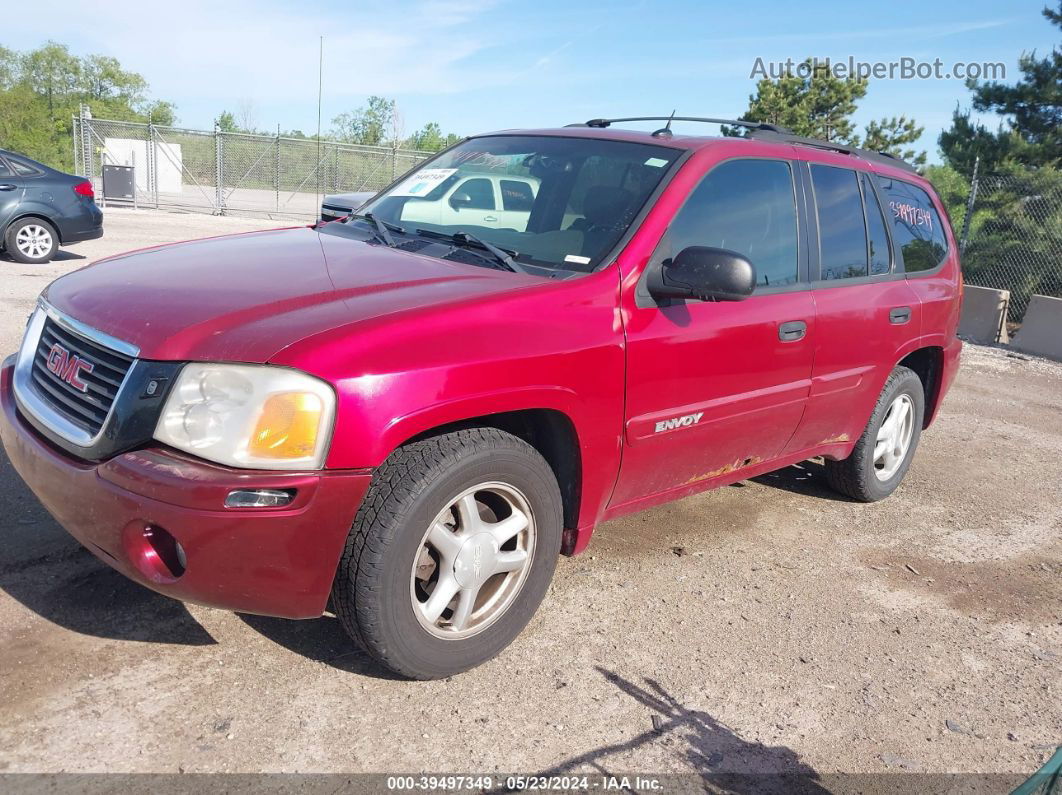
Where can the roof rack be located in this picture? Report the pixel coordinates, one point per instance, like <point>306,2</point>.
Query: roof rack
<point>866,154</point>
<point>755,125</point>
<point>764,131</point>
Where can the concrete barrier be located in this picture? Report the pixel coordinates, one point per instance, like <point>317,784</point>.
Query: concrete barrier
<point>1041,330</point>
<point>984,314</point>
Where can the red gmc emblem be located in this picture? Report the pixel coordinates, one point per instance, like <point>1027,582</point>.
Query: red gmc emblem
<point>68,366</point>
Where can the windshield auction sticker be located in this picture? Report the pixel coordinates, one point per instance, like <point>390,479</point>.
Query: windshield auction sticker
<point>423,182</point>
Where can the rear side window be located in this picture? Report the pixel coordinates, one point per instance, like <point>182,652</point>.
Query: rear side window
<point>842,231</point>
<point>480,191</point>
<point>916,226</point>
<point>880,261</point>
<point>4,170</point>
<point>24,169</point>
<point>516,196</point>
<point>746,206</point>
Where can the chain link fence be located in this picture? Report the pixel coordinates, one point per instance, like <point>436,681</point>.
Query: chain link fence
<point>1012,235</point>
<point>233,173</point>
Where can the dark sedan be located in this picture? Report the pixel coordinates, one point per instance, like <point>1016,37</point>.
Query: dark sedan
<point>42,209</point>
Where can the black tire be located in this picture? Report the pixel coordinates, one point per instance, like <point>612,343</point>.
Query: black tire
<point>371,592</point>
<point>11,241</point>
<point>856,475</point>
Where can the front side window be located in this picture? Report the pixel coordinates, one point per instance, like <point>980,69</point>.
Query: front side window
<point>567,200</point>
<point>480,194</point>
<point>916,226</point>
<point>746,206</point>
<point>842,230</point>
<point>4,170</point>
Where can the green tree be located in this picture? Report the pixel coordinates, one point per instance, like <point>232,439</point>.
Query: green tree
<point>953,189</point>
<point>369,124</point>
<point>891,135</point>
<point>227,122</point>
<point>52,72</point>
<point>817,105</point>
<point>813,102</point>
<point>1032,132</point>
<point>430,138</point>
<point>41,90</point>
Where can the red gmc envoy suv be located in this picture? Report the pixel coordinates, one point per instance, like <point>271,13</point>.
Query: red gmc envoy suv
<point>405,416</point>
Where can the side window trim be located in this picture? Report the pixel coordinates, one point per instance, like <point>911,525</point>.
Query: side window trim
<point>811,223</point>
<point>895,255</point>
<point>644,300</point>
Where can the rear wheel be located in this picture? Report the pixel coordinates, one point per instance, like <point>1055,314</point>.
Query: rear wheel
<point>451,552</point>
<point>31,240</point>
<point>883,453</point>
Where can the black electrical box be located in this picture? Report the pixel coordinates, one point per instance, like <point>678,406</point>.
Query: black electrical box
<point>119,183</point>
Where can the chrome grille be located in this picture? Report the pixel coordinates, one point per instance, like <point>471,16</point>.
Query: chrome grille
<point>86,409</point>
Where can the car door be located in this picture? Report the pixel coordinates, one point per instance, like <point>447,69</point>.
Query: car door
<point>867,314</point>
<point>11,192</point>
<point>714,388</point>
<point>471,202</point>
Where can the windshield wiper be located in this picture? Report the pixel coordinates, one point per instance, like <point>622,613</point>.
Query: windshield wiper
<point>383,228</point>
<point>466,239</point>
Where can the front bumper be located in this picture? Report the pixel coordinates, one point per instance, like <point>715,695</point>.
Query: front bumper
<point>278,561</point>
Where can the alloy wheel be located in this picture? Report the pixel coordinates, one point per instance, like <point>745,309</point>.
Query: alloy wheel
<point>894,437</point>
<point>33,240</point>
<point>473,561</point>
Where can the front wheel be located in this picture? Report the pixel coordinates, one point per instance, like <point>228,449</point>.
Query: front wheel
<point>451,552</point>
<point>883,453</point>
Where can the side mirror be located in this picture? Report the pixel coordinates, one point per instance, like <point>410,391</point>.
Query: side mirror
<point>459,200</point>
<point>707,274</point>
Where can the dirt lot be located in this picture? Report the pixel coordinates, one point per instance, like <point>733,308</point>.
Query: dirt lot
<point>771,625</point>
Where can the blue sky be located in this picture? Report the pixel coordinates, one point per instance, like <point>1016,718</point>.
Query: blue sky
<point>476,65</point>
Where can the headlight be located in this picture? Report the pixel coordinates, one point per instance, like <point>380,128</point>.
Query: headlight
<point>249,416</point>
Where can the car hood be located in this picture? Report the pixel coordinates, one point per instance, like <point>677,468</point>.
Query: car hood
<point>246,297</point>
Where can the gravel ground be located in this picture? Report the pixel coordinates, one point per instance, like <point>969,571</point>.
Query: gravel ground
<point>767,626</point>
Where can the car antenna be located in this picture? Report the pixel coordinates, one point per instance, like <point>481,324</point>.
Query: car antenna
<point>665,131</point>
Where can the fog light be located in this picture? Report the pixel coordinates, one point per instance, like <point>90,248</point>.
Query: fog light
<point>259,498</point>
<point>167,551</point>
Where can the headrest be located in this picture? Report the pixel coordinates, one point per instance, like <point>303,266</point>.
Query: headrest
<point>604,205</point>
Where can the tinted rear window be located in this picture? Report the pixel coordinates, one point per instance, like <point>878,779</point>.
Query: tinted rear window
<point>516,196</point>
<point>880,261</point>
<point>916,226</point>
<point>842,231</point>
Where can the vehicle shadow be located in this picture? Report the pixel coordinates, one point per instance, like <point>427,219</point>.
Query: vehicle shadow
<point>807,478</point>
<point>60,256</point>
<point>724,761</point>
<point>319,639</point>
<point>51,574</point>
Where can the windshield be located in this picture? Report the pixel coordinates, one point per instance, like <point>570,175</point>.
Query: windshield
<point>552,202</point>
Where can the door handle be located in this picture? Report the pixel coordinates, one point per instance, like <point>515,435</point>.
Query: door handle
<point>792,331</point>
<point>8,186</point>
<point>899,315</point>
<point>491,218</point>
